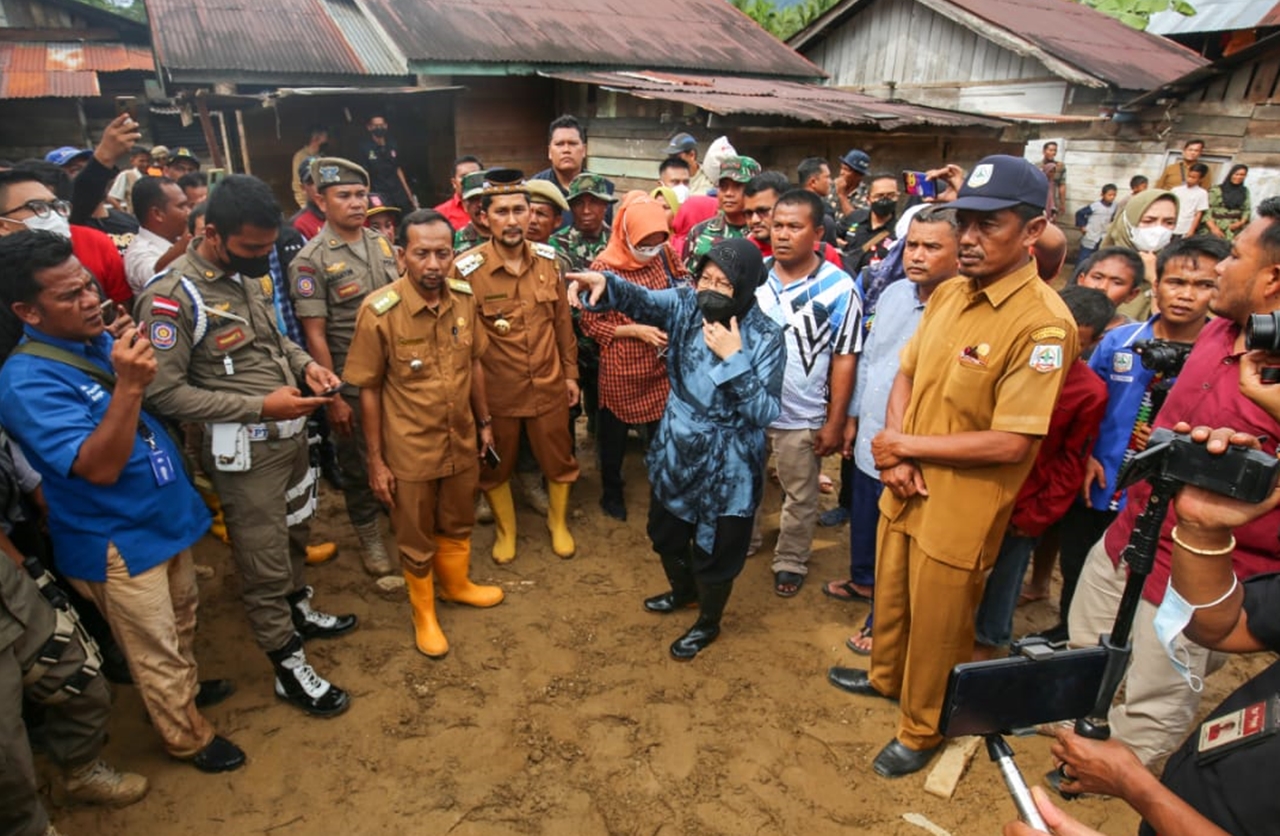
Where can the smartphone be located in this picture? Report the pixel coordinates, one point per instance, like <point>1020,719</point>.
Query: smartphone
<point>215,176</point>
<point>109,311</point>
<point>329,393</point>
<point>491,457</point>
<point>916,183</point>
<point>127,104</point>
<point>1015,693</point>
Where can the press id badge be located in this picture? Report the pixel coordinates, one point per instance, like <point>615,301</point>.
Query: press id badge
<point>162,467</point>
<point>1244,727</point>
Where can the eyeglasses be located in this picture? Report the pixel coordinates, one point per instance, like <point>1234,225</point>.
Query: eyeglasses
<point>714,284</point>
<point>758,213</point>
<point>42,208</point>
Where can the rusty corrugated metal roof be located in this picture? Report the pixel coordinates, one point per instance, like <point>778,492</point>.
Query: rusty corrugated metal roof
<point>728,95</point>
<point>707,35</point>
<point>60,69</point>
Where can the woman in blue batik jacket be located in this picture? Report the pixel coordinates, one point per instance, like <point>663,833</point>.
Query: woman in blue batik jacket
<point>706,463</point>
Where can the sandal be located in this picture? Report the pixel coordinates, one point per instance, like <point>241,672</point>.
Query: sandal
<point>861,643</point>
<point>787,584</point>
<point>825,485</point>
<point>844,591</point>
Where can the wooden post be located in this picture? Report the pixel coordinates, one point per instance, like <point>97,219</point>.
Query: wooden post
<point>206,125</point>
<point>244,142</point>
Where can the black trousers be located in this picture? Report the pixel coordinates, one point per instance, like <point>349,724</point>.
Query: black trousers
<point>1081,528</point>
<point>673,536</point>
<point>611,444</point>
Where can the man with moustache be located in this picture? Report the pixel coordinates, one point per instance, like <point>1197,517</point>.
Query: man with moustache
<point>477,231</point>
<point>731,219</point>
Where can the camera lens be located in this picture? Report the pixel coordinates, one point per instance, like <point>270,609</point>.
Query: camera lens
<point>1262,332</point>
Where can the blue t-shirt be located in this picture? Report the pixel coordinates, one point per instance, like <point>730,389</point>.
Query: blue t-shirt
<point>51,409</point>
<point>1127,381</point>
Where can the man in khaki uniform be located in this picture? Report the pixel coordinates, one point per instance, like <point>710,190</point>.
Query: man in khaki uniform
<point>223,363</point>
<point>531,366</point>
<point>329,279</point>
<point>972,398</point>
<point>416,358</point>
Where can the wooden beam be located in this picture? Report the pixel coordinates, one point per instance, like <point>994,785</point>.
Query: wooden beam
<point>206,125</point>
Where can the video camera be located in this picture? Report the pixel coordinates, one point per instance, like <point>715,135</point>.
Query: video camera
<point>1164,357</point>
<point>1262,333</point>
<point>1037,684</point>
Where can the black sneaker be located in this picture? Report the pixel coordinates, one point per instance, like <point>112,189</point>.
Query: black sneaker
<point>311,624</point>
<point>298,683</point>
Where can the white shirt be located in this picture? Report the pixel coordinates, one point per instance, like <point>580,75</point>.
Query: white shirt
<point>141,257</point>
<point>1191,199</point>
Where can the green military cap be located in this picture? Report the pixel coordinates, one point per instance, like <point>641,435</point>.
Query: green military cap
<point>592,184</point>
<point>335,171</point>
<point>504,181</point>
<point>739,169</point>
<point>544,191</point>
<point>472,185</point>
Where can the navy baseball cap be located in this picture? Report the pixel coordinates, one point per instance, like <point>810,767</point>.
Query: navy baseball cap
<point>65,154</point>
<point>681,143</point>
<point>858,160</point>
<point>1002,182</point>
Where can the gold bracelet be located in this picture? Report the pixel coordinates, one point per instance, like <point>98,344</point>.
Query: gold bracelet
<point>1222,552</point>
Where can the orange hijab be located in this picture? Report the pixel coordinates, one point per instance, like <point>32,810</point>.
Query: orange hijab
<point>637,217</point>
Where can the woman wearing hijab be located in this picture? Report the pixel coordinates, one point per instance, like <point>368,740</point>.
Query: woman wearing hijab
<point>1146,226</point>
<point>1229,205</point>
<point>633,372</point>
<point>725,362</point>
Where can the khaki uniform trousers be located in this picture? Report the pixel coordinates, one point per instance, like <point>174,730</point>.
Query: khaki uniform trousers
<point>798,470</point>
<point>548,439</point>
<point>923,627</point>
<point>1158,707</point>
<point>153,618</point>
<point>269,552</point>
<point>362,505</point>
<point>426,510</point>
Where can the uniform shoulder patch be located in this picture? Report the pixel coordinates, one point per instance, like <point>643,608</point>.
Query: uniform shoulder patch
<point>384,301</point>
<point>1046,358</point>
<point>468,264</point>
<point>545,251</point>
<point>1049,332</point>
<point>459,286</point>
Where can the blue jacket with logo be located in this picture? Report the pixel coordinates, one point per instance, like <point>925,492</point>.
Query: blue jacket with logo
<point>1127,379</point>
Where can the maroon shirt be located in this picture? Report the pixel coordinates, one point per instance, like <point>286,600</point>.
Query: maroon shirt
<point>1058,473</point>
<point>308,222</point>
<point>1208,393</point>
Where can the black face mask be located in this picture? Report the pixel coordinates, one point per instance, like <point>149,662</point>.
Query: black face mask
<point>378,131</point>
<point>250,268</point>
<point>884,207</point>
<point>716,307</point>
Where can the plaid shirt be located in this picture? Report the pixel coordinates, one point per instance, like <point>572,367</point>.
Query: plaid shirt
<point>633,375</point>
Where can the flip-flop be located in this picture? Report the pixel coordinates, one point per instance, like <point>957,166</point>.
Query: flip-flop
<point>787,584</point>
<point>848,592</point>
<point>854,642</point>
<point>825,485</point>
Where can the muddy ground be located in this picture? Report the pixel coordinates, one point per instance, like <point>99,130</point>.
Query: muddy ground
<point>560,712</point>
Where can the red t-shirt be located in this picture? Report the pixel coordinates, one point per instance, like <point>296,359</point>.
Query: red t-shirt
<point>1058,472</point>
<point>1208,393</point>
<point>98,253</point>
<point>452,209</point>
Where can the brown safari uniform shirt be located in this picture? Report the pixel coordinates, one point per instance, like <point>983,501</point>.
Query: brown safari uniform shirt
<point>219,360</point>
<point>525,368</point>
<point>428,430</point>
<point>330,278</point>
<point>982,359</point>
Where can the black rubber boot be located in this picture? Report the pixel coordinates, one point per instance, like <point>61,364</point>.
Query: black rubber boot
<point>711,600</point>
<point>683,589</point>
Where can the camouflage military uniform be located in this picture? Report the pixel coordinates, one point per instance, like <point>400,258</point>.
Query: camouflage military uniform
<point>706,235</point>
<point>467,238</point>
<point>579,250</point>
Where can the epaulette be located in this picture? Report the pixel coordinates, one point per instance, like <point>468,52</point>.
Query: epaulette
<point>470,263</point>
<point>459,286</point>
<point>545,250</point>
<point>384,301</point>
<point>386,247</point>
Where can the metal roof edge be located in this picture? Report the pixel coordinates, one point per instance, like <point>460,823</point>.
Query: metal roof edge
<point>1181,85</point>
<point>495,68</point>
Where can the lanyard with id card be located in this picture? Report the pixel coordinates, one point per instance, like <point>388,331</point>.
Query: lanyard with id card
<point>162,466</point>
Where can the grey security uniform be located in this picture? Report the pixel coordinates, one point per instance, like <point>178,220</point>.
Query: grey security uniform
<point>60,672</point>
<point>329,279</point>
<point>219,355</point>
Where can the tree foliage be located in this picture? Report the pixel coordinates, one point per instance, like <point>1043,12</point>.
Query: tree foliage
<point>1137,13</point>
<point>783,22</point>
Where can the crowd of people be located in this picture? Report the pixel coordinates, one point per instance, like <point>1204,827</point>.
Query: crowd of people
<point>181,359</point>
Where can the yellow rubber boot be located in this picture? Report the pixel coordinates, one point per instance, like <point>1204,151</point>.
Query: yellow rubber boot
<point>504,523</point>
<point>561,540</point>
<point>426,629</point>
<point>218,528</point>
<point>452,567</point>
<point>318,553</point>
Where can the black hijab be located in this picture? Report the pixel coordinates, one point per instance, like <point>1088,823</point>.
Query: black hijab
<point>1233,196</point>
<point>743,264</point>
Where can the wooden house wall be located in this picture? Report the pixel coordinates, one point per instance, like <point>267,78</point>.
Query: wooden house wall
<point>503,121</point>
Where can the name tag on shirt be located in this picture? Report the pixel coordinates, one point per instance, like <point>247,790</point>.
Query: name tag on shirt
<point>162,467</point>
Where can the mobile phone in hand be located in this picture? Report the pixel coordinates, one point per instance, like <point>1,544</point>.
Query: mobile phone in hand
<point>490,457</point>
<point>329,393</point>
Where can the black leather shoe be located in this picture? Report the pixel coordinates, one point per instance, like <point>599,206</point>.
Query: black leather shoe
<point>312,624</point>
<point>298,684</point>
<point>221,755</point>
<point>613,506</point>
<point>896,760</point>
<point>853,680</point>
<point>701,634</point>
<point>214,691</point>
<point>667,603</point>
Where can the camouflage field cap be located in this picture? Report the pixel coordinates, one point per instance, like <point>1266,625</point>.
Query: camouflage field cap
<point>335,171</point>
<point>739,169</point>
<point>544,191</point>
<point>504,181</point>
<point>472,185</point>
<point>592,184</point>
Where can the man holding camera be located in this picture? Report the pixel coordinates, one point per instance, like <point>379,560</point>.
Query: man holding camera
<point>1159,706</point>
<point>974,394</point>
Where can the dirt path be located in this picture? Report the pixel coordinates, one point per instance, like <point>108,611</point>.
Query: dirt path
<point>559,712</point>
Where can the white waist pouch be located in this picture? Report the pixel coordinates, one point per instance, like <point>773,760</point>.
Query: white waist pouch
<point>230,447</point>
